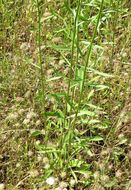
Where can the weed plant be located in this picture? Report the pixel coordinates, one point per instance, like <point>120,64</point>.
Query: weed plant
<point>65,95</point>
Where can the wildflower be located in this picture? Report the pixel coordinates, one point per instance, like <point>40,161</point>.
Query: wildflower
<point>96,175</point>
<point>104,152</point>
<point>26,121</point>
<point>45,160</point>
<point>50,180</point>
<point>118,173</point>
<point>2,186</point>
<point>12,116</point>
<point>17,125</point>
<point>110,166</point>
<point>19,99</point>
<point>38,122</point>
<point>72,182</point>
<point>56,40</point>
<point>47,14</point>
<point>39,158</point>
<point>37,142</point>
<point>101,166</point>
<point>25,46</point>
<point>49,73</point>
<point>63,175</point>
<point>47,166</point>
<point>61,62</point>
<point>32,131</point>
<point>63,184</point>
<point>97,186</point>
<point>30,115</point>
<point>21,111</point>
<point>34,173</point>
<point>30,153</point>
<point>121,136</point>
<point>18,165</point>
<point>105,178</point>
<point>27,94</point>
<point>58,188</point>
<point>129,153</point>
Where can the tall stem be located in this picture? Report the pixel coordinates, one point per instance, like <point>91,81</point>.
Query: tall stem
<point>86,65</point>
<point>42,76</point>
<point>71,67</point>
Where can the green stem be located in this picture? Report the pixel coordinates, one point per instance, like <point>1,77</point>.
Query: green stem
<point>71,69</point>
<point>86,65</point>
<point>42,76</point>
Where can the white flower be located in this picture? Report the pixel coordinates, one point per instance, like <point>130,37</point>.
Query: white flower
<point>57,40</point>
<point>63,184</point>
<point>96,175</point>
<point>34,173</point>
<point>2,186</point>
<point>118,174</point>
<point>61,62</point>
<point>26,121</point>
<point>30,115</point>
<point>50,180</point>
<point>39,158</point>
<point>18,165</point>
<point>47,14</point>
<point>47,166</point>
<point>24,46</point>
<point>12,116</point>
<point>63,175</point>
<point>72,182</point>
<point>27,94</point>
<point>30,153</point>
<point>21,111</point>
<point>38,122</point>
<point>58,188</point>
<point>37,142</point>
<point>45,160</point>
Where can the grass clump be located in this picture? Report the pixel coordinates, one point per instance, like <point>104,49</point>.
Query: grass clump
<point>65,88</point>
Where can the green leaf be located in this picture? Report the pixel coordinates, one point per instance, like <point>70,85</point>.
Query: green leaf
<point>90,94</point>
<point>57,96</point>
<point>94,121</point>
<point>94,107</point>
<point>96,138</point>
<point>101,87</point>
<point>82,113</point>
<point>101,73</point>
<point>86,112</point>
<point>37,133</point>
<point>54,78</point>
<point>53,114</point>
<point>59,47</point>
<point>100,126</point>
<point>46,149</point>
<point>75,163</point>
<point>84,172</point>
